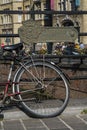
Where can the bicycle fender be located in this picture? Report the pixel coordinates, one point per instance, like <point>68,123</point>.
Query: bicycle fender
<point>66,75</point>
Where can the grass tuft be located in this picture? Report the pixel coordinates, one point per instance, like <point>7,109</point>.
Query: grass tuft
<point>84,111</point>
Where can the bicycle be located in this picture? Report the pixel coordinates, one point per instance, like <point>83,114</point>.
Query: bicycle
<point>39,87</point>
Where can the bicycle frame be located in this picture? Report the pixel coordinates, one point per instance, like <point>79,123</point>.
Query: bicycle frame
<point>8,83</point>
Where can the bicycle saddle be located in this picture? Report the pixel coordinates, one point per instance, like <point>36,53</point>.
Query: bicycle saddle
<point>15,47</point>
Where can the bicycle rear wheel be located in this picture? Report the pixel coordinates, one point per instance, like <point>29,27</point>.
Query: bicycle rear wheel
<point>43,87</point>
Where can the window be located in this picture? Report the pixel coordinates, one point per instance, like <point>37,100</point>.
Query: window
<point>47,5</point>
<point>38,7</point>
<point>6,1</point>
<point>19,15</point>
<point>6,18</point>
<point>27,16</point>
<point>75,4</point>
<point>64,5</point>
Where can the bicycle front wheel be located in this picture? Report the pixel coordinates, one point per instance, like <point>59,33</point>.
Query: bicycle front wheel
<point>43,89</point>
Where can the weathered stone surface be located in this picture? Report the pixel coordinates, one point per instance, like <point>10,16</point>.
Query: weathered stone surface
<point>34,32</point>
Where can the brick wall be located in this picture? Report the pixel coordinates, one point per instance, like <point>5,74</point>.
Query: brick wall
<point>78,88</point>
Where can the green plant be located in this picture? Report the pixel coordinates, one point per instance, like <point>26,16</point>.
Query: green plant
<point>42,51</point>
<point>58,52</point>
<point>84,111</point>
<point>82,51</point>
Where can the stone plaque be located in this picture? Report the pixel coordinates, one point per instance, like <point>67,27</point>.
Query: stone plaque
<point>33,32</point>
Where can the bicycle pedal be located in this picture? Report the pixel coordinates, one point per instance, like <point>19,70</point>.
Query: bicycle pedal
<point>1,116</point>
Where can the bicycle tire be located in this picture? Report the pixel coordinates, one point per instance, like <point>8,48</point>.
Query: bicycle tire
<point>47,88</point>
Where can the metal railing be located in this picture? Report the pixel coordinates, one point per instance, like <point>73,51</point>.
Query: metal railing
<point>82,12</point>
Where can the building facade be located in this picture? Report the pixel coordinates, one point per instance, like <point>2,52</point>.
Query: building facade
<point>70,20</point>
<point>9,23</point>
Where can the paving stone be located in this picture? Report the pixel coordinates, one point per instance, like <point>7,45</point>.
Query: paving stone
<point>61,129</point>
<point>74,122</point>
<point>12,125</point>
<point>33,124</point>
<point>36,129</point>
<point>54,123</point>
<point>84,117</point>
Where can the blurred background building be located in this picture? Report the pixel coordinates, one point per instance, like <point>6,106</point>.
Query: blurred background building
<point>9,23</point>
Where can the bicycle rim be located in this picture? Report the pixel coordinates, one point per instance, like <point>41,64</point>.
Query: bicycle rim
<point>46,88</point>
